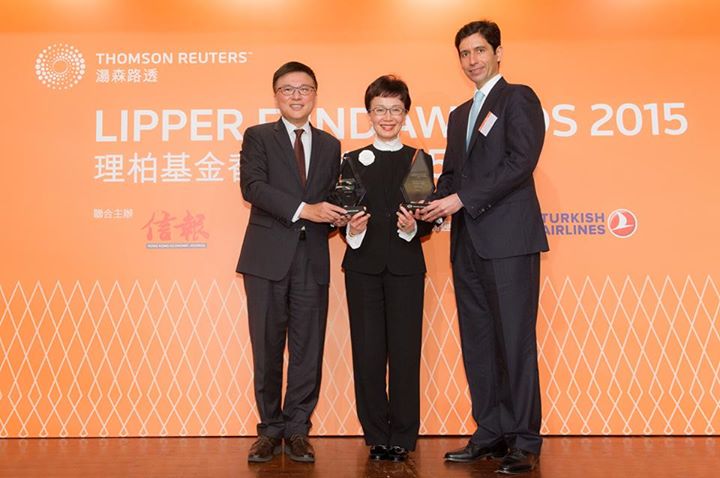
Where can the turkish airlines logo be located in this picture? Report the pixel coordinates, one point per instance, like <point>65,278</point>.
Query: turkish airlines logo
<point>622,223</point>
<point>60,66</point>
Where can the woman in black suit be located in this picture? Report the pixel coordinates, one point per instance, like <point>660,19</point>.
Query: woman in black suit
<point>384,280</point>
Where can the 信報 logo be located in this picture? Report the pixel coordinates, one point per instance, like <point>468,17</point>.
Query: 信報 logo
<point>60,66</point>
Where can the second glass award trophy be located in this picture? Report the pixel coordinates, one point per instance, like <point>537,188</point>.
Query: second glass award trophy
<point>418,183</point>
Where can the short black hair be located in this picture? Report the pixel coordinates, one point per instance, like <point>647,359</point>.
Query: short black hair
<point>292,67</point>
<point>388,86</point>
<point>487,29</point>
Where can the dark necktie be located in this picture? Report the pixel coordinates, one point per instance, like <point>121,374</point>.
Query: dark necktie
<point>300,155</point>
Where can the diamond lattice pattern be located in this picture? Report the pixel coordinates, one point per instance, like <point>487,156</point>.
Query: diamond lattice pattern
<point>617,356</point>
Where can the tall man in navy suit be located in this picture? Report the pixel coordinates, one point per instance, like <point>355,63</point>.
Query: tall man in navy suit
<point>287,170</point>
<point>493,145</point>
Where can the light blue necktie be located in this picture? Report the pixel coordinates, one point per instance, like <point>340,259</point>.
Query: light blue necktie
<point>474,112</point>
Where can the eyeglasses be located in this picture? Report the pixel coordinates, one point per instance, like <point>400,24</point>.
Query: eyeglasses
<point>290,90</point>
<point>394,111</point>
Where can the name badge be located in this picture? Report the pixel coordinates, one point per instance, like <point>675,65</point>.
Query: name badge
<point>487,123</point>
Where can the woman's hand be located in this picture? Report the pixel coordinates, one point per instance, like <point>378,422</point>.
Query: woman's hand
<point>406,221</point>
<point>358,223</point>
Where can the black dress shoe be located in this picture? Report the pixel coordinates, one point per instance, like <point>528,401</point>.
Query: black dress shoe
<point>379,452</point>
<point>472,452</point>
<point>298,448</point>
<point>264,449</point>
<point>518,461</point>
<point>397,453</point>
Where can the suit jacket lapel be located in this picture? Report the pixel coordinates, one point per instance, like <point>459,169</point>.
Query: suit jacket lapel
<point>283,140</point>
<point>316,151</point>
<point>487,106</point>
<point>463,112</point>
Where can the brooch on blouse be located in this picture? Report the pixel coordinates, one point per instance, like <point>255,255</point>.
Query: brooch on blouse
<point>366,157</point>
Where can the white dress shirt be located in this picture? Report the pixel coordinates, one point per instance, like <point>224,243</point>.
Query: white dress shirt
<point>306,139</point>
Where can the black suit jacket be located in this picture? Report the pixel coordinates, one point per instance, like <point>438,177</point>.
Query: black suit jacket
<point>270,182</point>
<point>494,177</point>
<point>381,246</point>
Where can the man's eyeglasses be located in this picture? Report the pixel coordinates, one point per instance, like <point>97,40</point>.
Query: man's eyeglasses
<point>290,90</point>
<point>394,111</point>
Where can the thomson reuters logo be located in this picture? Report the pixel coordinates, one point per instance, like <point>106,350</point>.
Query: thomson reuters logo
<point>60,66</point>
<point>622,223</point>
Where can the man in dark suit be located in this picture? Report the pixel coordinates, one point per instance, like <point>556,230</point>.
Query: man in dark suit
<point>287,170</point>
<point>493,145</point>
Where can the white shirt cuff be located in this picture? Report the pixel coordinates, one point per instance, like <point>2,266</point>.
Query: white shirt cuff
<point>355,240</point>
<point>408,236</point>
<point>297,213</point>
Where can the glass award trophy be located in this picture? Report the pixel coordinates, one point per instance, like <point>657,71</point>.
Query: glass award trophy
<point>418,183</point>
<point>349,191</point>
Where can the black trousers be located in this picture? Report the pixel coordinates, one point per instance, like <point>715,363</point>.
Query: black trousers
<point>497,303</point>
<point>294,307</point>
<point>386,331</point>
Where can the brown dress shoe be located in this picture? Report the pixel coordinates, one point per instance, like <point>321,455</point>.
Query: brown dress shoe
<point>264,449</point>
<point>518,461</point>
<point>298,448</point>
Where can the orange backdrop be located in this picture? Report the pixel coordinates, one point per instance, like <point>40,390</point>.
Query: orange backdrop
<point>121,314</point>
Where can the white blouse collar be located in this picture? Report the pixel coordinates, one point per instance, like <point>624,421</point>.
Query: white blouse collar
<point>393,145</point>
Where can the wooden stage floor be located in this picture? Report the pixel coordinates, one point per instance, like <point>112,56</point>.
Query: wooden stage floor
<point>562,457</point>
